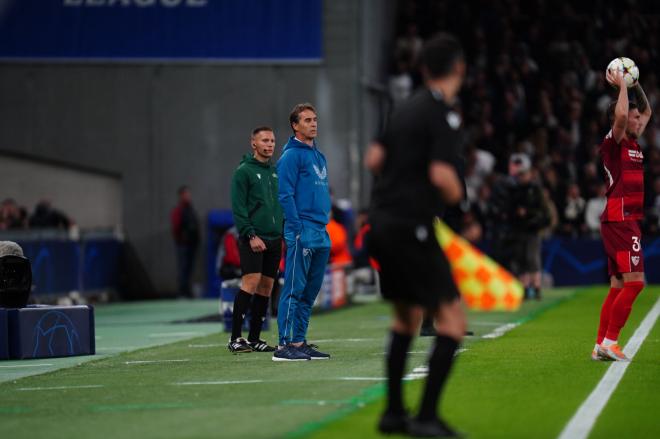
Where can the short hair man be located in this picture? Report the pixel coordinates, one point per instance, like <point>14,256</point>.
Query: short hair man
<point>413,160</point>
<point>258,218</point>
<point>186,234</point>
<point>305,197</point>
<point>528,215</point>
<point>622,238</point>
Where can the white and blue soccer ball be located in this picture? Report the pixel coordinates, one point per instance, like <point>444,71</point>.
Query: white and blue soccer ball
<point>628,67</point>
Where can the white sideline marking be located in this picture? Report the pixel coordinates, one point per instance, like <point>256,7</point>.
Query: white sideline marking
<point>16,366</point>
<point>361,378</point>
<point>415,376</point>
<point>584,419</point>
<point>174,334</point>
<point>118,348</point>
<point>501,330</point>
<point>216,383</point>
<point>155,361</point>
<point>335,340</point>
<point>91,386</point>
<point>211,345</point>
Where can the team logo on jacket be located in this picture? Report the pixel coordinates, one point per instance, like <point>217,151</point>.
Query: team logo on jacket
<point>635,260</point>
<point>322,173</point>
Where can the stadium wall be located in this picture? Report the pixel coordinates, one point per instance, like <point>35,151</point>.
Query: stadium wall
<point>160,125</point>
<point>92,199</point>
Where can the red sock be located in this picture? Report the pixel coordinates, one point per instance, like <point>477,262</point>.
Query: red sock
<point>621,308</point>
<point>605,313</point>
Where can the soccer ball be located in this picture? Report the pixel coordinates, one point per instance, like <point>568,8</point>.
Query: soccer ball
<point>628,67</point>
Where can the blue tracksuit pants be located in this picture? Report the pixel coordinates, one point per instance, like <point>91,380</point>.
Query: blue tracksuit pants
<point>306,260</point>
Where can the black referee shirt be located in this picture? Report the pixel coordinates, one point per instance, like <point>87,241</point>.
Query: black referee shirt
<point>421,130</point>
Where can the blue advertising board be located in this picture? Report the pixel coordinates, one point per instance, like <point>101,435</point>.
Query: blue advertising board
<point>153,30</point>
<point>42,331</point>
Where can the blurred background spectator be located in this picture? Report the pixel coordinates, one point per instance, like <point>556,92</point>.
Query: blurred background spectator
<point>45,216</point>
<point>536,85</point>
<point>13,216</point>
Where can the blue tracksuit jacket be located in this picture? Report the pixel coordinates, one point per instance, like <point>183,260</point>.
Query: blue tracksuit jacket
<point>305,198</point>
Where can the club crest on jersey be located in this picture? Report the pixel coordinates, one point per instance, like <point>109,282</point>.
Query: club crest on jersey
<point>453,120</point>
<point>259,176</point>
<point>635,260</point>
<point>634,154</point>
<point>322,173</point>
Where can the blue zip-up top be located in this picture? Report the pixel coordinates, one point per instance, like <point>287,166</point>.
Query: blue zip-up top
<point>303,187</point>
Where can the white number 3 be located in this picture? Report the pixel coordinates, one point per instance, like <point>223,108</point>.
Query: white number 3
<point>636,244</point>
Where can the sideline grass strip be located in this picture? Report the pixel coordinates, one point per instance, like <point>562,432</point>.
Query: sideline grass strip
<point>529,311</point>
<point>633,408</point>
<point>584,419</point>
<point>143,400</point>
<point>525,384</point>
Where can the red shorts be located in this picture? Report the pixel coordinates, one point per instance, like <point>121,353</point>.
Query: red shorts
<point>623,246</point>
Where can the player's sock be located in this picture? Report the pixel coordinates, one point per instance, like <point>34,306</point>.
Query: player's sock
<point>395,363</point>
<point>440,363</point>
<point>258,311</point>
<point>241,305</point>
<point>605,312</point>
<point>621,308</point>
<point>607,342</point>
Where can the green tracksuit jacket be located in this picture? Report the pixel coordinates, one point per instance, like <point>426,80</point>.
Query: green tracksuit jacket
<point>254,202</point>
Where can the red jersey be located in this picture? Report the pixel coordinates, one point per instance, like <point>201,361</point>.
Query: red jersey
<point>624,169</point>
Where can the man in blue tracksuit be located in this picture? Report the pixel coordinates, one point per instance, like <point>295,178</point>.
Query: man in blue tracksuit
<point>305,198</point>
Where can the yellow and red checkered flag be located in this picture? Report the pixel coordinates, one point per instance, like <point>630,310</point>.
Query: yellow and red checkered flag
<point>484,285</point>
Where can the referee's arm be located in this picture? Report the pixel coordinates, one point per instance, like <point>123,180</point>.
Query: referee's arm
<point>239,210</point>
<point>374,157</point>
<point>444,177</point>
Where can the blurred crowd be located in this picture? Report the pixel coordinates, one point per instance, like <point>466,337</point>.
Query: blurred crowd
<point>536,85</point>
<point>15,217</point>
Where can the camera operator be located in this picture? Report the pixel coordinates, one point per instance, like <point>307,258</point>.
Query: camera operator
<point>521,214</point>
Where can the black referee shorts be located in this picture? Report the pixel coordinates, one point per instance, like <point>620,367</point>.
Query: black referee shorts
<point>266,262</point>
<point>413,267</point>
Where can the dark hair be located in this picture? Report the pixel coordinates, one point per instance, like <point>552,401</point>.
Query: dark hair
<point>182,189</point>
<point>612,108</point>
<point>294,117</point>
<point>257,130</point>
<point>440,54</point>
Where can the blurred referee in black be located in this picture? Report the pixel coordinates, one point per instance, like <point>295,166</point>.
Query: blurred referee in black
<point>415,180</point>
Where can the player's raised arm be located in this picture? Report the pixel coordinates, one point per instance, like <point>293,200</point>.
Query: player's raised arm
<point>621,110</point>
<point>643,106</point>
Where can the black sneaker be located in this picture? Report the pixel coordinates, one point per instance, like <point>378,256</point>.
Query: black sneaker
<point>261,346</point>
<point>391,423</point>
<point>434,428</point>
<point>313,353</point>
<point>290,353</point>
<point>312,345</point>
<point>239,346</point>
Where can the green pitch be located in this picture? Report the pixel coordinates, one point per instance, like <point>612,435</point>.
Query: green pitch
<point>525,383</point>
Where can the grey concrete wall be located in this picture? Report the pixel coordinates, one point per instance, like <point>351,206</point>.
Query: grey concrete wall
<point>159,126</point>
<point>90,199</point>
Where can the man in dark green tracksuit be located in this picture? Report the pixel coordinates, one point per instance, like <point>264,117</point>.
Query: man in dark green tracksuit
<point>258,218</point>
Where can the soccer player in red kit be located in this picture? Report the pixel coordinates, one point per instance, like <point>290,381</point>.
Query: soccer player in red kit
<point>622,238</point>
